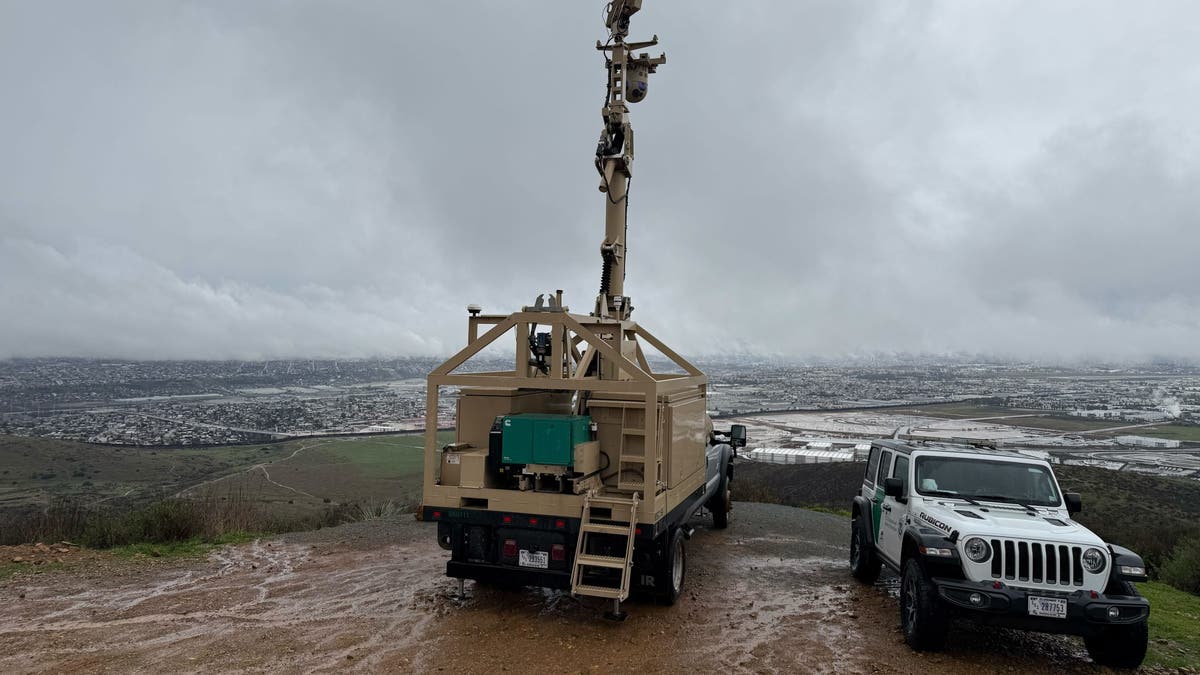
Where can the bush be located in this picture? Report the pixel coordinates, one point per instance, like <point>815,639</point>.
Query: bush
<point>170,520</point>
<point>1182,569</point>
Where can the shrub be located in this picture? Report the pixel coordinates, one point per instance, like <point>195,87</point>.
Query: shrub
<point>375,510</point>
<point>1182,569</point>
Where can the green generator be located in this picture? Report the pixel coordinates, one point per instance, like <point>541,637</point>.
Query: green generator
<point>532,438</point>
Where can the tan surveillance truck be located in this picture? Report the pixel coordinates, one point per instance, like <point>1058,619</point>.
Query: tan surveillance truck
<point>580,467</point>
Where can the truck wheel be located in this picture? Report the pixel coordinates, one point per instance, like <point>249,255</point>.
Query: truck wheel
<point>671,569</point>
<point>921,616</point>
<point>721,504</point>
<point>1119,646</point>
<point>864,564</point>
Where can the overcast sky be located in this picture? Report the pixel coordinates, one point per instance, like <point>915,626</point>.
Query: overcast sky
<point>271,179</point>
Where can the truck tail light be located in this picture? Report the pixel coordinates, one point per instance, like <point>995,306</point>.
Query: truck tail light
<point>437,514</point>
<point>510,548</point>
<point>507,520</point>
<point>558,552</point>
<point>560,523</point>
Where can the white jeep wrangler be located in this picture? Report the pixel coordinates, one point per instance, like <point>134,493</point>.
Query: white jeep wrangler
<point>987,534</point>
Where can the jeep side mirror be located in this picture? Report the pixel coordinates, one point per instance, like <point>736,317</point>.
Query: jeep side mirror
<point>1073,501</point>
<point>893,487</point>
<point>737,435</point>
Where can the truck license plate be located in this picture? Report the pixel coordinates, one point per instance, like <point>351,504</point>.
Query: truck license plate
<point>539,559</point>
<point>1055,608</point>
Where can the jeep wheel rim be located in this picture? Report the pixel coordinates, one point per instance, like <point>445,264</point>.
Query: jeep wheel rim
<point>910,602</point>
<point>854,551</point>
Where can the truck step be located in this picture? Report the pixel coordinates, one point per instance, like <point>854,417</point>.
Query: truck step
<point>600,561</point>
<point>622,501</point>
<point>596,591</point>
<point>606,529</point>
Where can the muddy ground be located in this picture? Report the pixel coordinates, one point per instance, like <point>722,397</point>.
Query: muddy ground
<point>770,594</point>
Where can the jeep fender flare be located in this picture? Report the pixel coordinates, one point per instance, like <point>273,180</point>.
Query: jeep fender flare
<point>1123,557</point>
<point>916,536</point>
<point>862,507</point>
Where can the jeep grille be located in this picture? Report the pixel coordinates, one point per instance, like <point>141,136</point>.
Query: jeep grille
<point>1037,562</point>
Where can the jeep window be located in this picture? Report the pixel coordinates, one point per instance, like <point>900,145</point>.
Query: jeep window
<point>885,462</point>
<point>873,465</point>
<point>901,470</point>
<point>981,479</point>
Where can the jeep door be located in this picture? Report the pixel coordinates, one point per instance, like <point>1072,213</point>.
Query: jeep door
<point>877,513</point>
<point>895,511</point>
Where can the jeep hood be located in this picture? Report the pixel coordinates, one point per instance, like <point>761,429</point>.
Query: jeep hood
<point>1004,520</point>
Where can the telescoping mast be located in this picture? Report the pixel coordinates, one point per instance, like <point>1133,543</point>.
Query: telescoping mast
<point>579,467</point>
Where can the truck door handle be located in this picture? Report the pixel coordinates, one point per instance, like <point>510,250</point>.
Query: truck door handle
<point>886,507</point>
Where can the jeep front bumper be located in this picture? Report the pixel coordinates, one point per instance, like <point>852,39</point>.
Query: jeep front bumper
<point>1087,612</point>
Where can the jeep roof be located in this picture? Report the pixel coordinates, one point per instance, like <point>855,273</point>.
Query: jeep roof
<point>908,447</point>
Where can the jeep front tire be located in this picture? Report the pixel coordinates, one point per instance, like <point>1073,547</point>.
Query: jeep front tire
<point>922,617</point>
<point>1119,646</point>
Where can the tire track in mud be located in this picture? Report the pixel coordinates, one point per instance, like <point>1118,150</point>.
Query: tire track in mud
<point>264,606</point>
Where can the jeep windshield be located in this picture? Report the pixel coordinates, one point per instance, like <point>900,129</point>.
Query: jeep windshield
<point>973,479</point>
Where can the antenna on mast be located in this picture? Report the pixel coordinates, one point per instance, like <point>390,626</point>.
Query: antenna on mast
<point>628,79</point>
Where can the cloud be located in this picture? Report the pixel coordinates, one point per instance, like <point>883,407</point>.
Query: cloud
<point>813,179</point>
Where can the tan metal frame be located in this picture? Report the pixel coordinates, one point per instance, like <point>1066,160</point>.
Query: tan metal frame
<point>578,341</point>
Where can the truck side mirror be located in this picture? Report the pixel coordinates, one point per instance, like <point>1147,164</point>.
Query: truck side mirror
<point>737,435</point>
<point>893,487</point>
<point>1073,501</point>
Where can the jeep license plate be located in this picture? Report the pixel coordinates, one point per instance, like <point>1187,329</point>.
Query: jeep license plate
<point>1055,608</point>
<point>539,559</point>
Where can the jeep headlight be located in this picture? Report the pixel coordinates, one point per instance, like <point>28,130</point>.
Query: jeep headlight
<point>977,550</point>
<point>1093,560</point>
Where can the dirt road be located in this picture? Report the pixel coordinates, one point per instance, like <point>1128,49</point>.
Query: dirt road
<point>770,594</point>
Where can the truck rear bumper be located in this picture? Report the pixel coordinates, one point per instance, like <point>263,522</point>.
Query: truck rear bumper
<point>508,575</point>
<point>1008,606</point>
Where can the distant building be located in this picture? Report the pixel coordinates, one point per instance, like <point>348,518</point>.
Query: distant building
<point>800,455</point>
<point>1146,442</point>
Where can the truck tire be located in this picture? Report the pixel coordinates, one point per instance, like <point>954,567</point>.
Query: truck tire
<point>922,618</point>
<point>671,570</point>
<point>864,564</point>
<point>1119,646</point>
<point>721,504</point>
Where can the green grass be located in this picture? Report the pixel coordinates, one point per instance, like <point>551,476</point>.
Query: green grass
<point>845,513</point>
<point>34,471</point>
<point>384,456</point>
<point>1175,432</point>
<point>1174,626</point>
<point>189,548</point>
<point>9,569</point>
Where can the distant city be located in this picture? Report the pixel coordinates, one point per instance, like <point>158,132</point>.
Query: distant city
<point>182,403</point>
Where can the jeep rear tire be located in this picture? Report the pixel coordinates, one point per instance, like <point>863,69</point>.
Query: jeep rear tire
<point>922,617</point>
<point>1119,646</point>
<point>864,564</point>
